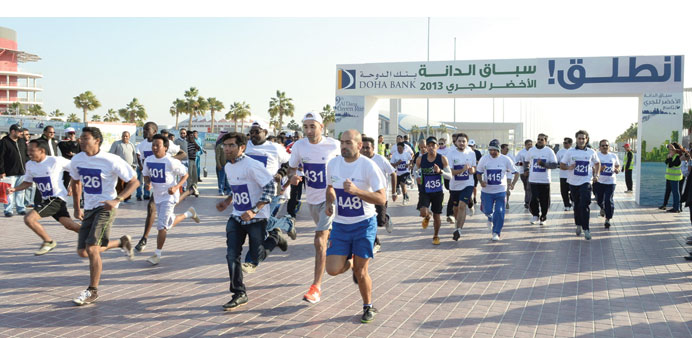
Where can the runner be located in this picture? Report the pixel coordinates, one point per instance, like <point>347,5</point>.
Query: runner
<point>521,166</point>
<point>492,171</point>
<point>582,162</point>
<point>160,171</point>
<point>605,186</point>
<point>444,150</point>
<point>504,150</point>
<point>253,187</point>
<point>433,167</point>
<point>564,186</point>
<point>463,163</point>
<point>402,161</point>
<point>472,145</point>
<point>383,219</point>
<point>97,172</point>
<point>538,161</point>
<point>355,184</point>
<point>46,172</point>
<point>313,152</point>
<point>144,150</point>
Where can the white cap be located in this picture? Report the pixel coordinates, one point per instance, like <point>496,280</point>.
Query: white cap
<point>261,124</point>
<point>69,130</point>
<point>312,116</point>
<point>472,142</point>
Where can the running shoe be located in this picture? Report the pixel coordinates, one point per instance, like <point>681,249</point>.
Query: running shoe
<point>154,260</point>
<point>313,295</point>
<point>389,226</point>
<point>248,268</point>
<point>495,238</point>
<point>369,313</point>
<point>663,207</point>
<point>436,240</point>
<point>587,234</point>
<point>456,235</point>
<point>376,248</point>
<point>141,245</point>
<point>282,244</point>
<point>607,223</point>
<point>689,258</point>
<point>425,223</point>
<point>45,247</point>
<point>534,219</point>
<point>578,230</point>
<point>239,299</point>
<point>292,233</point>
<point>450,219</point>
<point>86,297</point>
<point>602,213</point>
<point>194,214</point>
<point>126,245</point>
<point>543,222</point>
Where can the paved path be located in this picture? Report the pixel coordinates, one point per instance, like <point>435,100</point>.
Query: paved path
<point>628,281</point>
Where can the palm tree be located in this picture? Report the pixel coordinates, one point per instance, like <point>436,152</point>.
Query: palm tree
<point>133,112</point>
<point>177,108</point>
<point>36,110</point>
<point>56,113</point>
<point>191,104</point>
<point>414,133</point>
<point>214,106</point>
<point>73,118</point>
<point>280,106</point>
<point>86,101</point>
<point>687,121</point>
<point>442,129</point>
<point>239,111</point>
<point>96,118</point>
<point>16,107</point>
<point>111,116</point>
<point>328,116</point>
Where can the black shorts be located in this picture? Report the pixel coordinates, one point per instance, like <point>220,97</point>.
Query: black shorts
<point>54,207</point>
<point>401,179</point>
<point>475,181</point>
<point>96,227</point>
<point>432,201</point>
<point>463,196</point>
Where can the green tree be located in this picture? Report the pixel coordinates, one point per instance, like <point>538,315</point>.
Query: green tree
<point>414,133</point>
<point>111,116</point>
<point>214,106</point>
<point>96,117</point>
<point>36,110</point>
<point>279,107</point>
<point>73,118</point>
<point>328,117</point>
<point>239,111</point>
<point>133,112</point>
<point>442,129</point>
<point>16,108</point>
<point>191,104</point>
<point>86,102</point>
<point>177,108</point>
<point>56,113</point>
<point>293,125</point>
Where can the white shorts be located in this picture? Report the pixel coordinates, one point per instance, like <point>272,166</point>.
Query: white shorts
<point>322,222</point>
<point>165,216</point>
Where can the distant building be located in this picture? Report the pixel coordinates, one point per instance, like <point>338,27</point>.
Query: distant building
<point>16,85</point>
<point>203,124</point>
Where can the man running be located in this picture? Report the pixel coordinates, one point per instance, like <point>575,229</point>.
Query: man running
<point>629,167</point>
<point>444,150</point>
<point>492,171</point>
<point>313,152</point>
<point>504,150</point>
<point>355,185</point>
<point>605,186</point>
<point>433,167</point>
<point>528,144</point>
<point>383,219</point>
<point>160,170</point>
<point>401,160</point>
<point>564,186</point>
<point>46,172</point>
<point>538,161</point>
<point>583,165</point>
<point>144,150</point>
<point>97,172</point>
<point>463,163</point>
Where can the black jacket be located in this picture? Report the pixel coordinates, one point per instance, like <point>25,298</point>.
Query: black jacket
<point>12,156</point>
<point>53,144</point>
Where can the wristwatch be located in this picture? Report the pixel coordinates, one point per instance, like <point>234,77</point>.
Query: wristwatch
<point>255,210</point>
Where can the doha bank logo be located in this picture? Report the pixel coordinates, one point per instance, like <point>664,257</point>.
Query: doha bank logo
<point>347,79</point>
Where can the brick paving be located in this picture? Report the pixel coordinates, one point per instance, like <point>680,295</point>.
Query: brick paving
<point>540,281</point>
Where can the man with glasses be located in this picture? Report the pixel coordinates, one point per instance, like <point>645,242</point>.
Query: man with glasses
<point>564,186</point>
<point>49,137</point>
<point>68,148</point>
<point>605,185</point>
<point>583,165</point>
<point>538,161</point>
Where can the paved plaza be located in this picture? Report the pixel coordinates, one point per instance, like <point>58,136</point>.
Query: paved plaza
<point>541,281</point>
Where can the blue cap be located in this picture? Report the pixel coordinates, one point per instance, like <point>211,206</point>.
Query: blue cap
<point>494,144</point>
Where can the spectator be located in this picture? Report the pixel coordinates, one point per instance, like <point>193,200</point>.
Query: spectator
<point>12,159</point>
<point>49,137</point>
<point>125,150</point>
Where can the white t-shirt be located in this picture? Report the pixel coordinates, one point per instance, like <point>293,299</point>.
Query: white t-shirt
<point>402,168</point>
<point>519,160</point>
<point>365,174</point>
<point>144,149</point>
<point>608,163</point>
<point>270,154</point>
<point>538,173</point>
<point>47,175</point>
<point>163,172</point>
<point>99,175</point>
<point>560,154</point>
<point>247,177</point>
<point>459,160</point>
<point>495,172</point>
<point>444,151</point>
<point>585,160</point>
<point>385,166</point>
<point>314,158</point>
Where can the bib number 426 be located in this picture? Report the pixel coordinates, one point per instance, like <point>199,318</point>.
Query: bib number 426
<point>92,180</point>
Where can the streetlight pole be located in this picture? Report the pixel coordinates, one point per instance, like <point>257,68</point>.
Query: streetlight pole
<point>455,99</point>
<point>427,100</point>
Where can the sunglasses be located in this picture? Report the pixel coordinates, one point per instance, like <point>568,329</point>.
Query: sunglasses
<point>604,145</point>
<point>542,139</point>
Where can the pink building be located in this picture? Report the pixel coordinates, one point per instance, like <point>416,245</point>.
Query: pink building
<point>16,85</point>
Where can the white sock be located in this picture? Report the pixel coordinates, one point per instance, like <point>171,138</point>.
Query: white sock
<point>157,252</point>
<point>187,214</point>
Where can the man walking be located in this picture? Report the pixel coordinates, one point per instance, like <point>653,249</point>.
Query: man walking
<point>125,150</point>
<point>564,186</point>
<point>492,171</point>
<point>629,166</point>
<point>538,161</point>
<point>583,165</point>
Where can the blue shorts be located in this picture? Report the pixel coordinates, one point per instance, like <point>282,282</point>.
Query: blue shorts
<point>357,238</point>
<point>463,195</point>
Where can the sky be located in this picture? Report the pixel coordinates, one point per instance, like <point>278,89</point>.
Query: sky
<point>249,59</point>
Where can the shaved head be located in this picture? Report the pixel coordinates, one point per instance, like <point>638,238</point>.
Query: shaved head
<point>351,144</point>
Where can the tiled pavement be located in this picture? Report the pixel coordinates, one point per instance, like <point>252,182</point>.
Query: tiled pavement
<point>628,281</point>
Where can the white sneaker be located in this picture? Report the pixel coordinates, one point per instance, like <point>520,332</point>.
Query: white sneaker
<point>376,248</point>
<point>543,222</point>
<point>496,237</point>
<point>566,208</point>
<point>154,260</point>
<point>194,214</point>
<point>450,219</point>
<point>248,267</point>
<point>389,226</point>
<point>490,225</point>
<point>534,219</point>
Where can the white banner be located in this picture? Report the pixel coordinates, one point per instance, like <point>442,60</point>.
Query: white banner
<point>612,76</point>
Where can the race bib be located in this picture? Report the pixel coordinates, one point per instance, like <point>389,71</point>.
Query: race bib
<point>581,168</point>
<point>260,158</point>
<point>536,167</point>
<point>91,178</point>
<point>494,176</point>
<point>607,169</point>
<point>241,197</point>
<point>432,183</point>
<point>147,154</point>
<point>157,172</point>
<point>402,167</point>
<point>44,186</point>
<point>348,205</point>
<point>463,176</point>
<point>314,174</point>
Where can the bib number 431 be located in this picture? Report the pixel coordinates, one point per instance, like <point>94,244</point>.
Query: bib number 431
<point>314,174</point>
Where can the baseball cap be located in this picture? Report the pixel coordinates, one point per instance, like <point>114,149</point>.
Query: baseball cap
<point>15,127</point>
<point>69,130</point>
<point>312,116</point>
<point>627,145</point>
<point>431,139</point>
<point>494,144</point>
<point>472,142</point>
<point>261,124</point>
<point>164,131</point>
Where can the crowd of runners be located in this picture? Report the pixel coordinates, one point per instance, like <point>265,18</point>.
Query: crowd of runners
<point>347,183</point>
